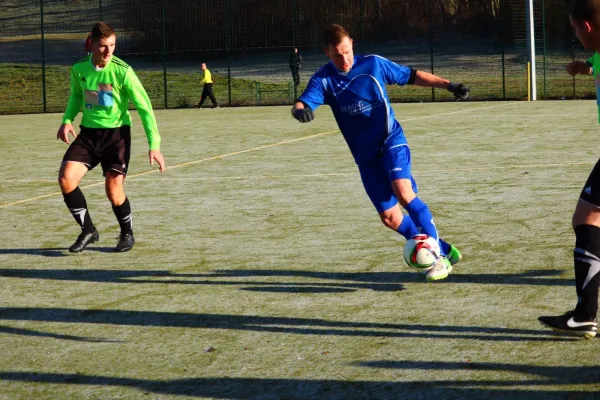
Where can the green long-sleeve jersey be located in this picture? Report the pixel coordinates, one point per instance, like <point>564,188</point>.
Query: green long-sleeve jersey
<point>595,62</point>
<point>105,94</point>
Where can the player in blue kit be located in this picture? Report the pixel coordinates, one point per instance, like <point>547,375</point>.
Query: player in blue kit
<point>354,88</point>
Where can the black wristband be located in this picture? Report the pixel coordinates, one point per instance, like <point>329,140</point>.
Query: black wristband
<point>412,77</point>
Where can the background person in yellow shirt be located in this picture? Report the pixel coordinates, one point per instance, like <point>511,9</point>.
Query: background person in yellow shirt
<point>207,91</point>
<point>103,85</point>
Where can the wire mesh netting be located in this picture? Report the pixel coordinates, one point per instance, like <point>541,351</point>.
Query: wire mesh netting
<point>246,44</point>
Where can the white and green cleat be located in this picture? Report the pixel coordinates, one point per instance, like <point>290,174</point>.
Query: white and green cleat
<point>440,270</point>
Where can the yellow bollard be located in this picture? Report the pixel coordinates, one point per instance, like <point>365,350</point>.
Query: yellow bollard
<point>528,81</point>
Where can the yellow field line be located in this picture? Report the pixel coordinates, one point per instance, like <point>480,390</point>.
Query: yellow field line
<point>328,174</point>
<point>172,167</point>
<point>239,152</point>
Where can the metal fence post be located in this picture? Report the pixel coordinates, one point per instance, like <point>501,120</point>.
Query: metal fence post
<point>295,20</point>
<point>503,22</point>
<point>431,44</point>
<point>573,39</point>
<point>228,45</point>
<point>164,50</point>
<point>544,43</point>
<point>43,56</point>
<point>361,13</point>
<point>100,13</point>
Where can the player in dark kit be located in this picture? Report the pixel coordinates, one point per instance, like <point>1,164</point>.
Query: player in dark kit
<point>585,19</point>
<point>103,85</point>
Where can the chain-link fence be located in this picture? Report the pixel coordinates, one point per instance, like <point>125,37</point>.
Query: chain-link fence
<point>246,44</point>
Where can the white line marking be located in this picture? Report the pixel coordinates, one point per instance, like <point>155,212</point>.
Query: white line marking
<point>129,177</point>
<point>457,112</point>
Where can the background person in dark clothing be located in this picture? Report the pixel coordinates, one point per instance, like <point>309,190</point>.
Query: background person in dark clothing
<point>295,61</point>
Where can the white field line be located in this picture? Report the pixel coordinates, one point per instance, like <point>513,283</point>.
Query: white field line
<point>129,177</point>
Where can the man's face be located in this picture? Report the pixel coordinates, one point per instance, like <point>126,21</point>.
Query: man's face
<point>103,50</point>
<point>342,55</point>
<point>203,66</point>
<point>585,33</point>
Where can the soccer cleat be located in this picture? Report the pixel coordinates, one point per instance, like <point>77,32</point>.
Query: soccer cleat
<point>125,243</point>
<point>454,255</point>
<point>440,270</point>
<point>566,323</point>
<point>217,106</point>
<point>83,240</point>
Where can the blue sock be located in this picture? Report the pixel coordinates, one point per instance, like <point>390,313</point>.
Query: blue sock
<point>444,246</point>
<point>420,214</point>
<point>407,227</point>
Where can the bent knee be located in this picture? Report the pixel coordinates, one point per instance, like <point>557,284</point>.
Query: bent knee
<point>390,220</point>
<point>67,184</point>
<point>586,214</point>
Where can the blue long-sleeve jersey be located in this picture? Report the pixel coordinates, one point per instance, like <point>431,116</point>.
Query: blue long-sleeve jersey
<point>360,103</point>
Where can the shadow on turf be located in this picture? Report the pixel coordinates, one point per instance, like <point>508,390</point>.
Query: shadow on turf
<point>546,375</point>
<point>299,326</point>
<point>150,276</point>
<point>54,252</point>
<point>28,332</point>
<point>531,277</point>
<point>254,388</point>
<point>337,282</point>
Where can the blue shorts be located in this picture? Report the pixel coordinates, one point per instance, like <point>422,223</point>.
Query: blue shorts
<point>394,163</point>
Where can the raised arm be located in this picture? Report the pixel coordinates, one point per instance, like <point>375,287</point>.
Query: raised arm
<point>460,91</point>
<point>402,75</point>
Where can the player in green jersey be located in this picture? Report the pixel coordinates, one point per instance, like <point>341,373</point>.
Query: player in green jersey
<point>103,85</point>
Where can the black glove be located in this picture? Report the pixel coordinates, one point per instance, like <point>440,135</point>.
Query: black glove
<point>304,115</point>
<point>460,91</point>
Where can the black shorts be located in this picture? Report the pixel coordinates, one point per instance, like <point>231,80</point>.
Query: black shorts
<point>107,147</point>
<point>591,190</point>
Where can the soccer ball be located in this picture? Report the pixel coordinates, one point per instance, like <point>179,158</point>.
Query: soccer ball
<point>421,252</point>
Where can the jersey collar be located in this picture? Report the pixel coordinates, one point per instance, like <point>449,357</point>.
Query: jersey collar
<point>100,69</point>
<point>342,72</point>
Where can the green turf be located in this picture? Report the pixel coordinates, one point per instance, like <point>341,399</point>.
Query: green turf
<point>262,271</point>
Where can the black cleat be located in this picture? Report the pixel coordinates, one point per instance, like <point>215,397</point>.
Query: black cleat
<point>566,323</point>
<point>125,243</point>
<point>83,240</point>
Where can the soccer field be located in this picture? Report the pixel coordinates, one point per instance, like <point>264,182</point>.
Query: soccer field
<point>262,271</point>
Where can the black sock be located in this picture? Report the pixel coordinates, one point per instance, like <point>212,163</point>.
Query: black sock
<point>587,270</point>
<point>76,203</point>
<point>123,214</point>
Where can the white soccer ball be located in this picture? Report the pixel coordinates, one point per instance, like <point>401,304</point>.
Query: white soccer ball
<point>421,252</point>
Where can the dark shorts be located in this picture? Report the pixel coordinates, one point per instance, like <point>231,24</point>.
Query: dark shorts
<point>591,189</point>
<point>107,147</point>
